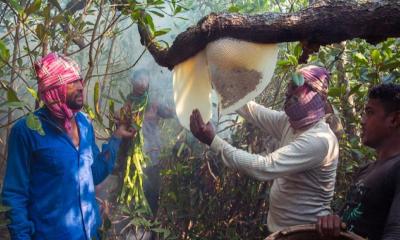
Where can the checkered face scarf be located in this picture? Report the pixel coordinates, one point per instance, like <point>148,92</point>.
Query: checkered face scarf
<point>308,105</point>
<point>53,73</point>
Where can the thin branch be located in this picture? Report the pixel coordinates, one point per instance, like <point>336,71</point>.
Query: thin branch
<point>93,37</point>
<point>99,36</point>
<point>123,70</point>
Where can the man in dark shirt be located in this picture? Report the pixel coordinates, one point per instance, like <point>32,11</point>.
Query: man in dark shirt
<point>372,207</point>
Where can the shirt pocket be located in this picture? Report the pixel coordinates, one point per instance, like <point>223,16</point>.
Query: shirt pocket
<point>53,160</point>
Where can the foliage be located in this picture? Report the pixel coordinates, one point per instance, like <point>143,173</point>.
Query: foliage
<point>3,220</point>
<point>132,188</point>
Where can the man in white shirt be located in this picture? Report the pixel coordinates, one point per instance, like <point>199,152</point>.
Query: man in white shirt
<point>304,166</point>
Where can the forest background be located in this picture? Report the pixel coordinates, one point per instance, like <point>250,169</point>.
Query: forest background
<point>200,198</point>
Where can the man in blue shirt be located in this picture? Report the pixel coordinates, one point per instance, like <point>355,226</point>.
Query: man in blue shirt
<point>52,170</point>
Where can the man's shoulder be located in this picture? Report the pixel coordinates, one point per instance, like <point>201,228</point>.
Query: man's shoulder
<point>20,125</point>
<point>321,135</point>
<point>321,130</point>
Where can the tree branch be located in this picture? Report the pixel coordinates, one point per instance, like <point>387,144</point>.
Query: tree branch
<point>322,23</point>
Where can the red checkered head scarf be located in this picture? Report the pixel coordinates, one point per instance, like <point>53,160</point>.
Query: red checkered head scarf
<point>53,73</point>
<point>309,106</point>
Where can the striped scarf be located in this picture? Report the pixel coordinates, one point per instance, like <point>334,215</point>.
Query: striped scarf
<point>53,73</point>
<point>310,98</point>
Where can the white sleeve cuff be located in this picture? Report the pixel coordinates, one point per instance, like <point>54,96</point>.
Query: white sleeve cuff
<point>217,144</point>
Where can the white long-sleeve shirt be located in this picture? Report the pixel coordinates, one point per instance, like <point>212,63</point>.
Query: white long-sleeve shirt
<point>303,167</point>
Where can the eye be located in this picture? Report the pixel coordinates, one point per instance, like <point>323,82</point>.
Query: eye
<point>368,112</point>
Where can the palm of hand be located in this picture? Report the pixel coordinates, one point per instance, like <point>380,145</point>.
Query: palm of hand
<point>204,132</point>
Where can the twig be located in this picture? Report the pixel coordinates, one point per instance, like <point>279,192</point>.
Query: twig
<point>210,171</point>
<point>123,70</point>
<point>99,36</point>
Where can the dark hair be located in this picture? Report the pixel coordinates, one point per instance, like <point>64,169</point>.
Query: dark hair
<point>388,94</point>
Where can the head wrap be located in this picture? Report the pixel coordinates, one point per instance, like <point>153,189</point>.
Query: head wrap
<point>311,97</point>
<point>53,73</point>
<point>316,78</point>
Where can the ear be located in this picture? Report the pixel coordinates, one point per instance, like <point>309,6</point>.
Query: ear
<point>395,119</point>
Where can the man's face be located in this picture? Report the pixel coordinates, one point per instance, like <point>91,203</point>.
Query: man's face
<point>140,85</point>
<point>75,95</point>
<point>375,124</point>
<point>291,95</point>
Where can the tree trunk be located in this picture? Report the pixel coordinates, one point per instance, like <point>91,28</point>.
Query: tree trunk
<point>324,22</point>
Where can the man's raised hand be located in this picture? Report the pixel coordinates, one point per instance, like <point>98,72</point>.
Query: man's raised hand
<point>204,132</point>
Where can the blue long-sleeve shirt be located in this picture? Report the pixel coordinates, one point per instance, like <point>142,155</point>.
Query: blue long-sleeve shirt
<point>49,183</point>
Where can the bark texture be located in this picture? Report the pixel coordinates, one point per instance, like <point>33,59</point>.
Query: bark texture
<point>324,22</point>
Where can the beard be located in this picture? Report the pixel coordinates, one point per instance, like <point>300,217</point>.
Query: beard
<point>75,101</point>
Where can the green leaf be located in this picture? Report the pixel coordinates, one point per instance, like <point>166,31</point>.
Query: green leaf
<point>177,10</point>
<point>32,92</point>
<point>4,208</point>
<point>32,8</point>
<point>157,13</point>
<point>14,4</point>
<point>89,112</point>
<point>20,62</point>
<point>336,91</point>
<point>96,101</point>
<point>33,122</point>
<point>283,63</point>
<point>135,15</point>
<point>355,89</point>
<point>376,56</point>
<point>12,105</point>
<point>5,223</point>
<point>58,19</point>
<point>360,58</point>
<point>96,93</point>
<point>158,2</point>
<point>121,94</point>
<point>297,50</point>
<point>183,18</point>
<point>149,21</point>
<point>12,95</point>
<point>111,111</point>
<point>233,9</point>
<point>292,59</point>
<point>161,32</point>
<point>388,66</point>
<point>4,53</point>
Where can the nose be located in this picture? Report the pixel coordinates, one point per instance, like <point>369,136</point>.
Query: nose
<point>363,119</point>
<point>78,85</point>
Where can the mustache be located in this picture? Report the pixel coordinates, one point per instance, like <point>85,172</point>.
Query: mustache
<point>78,94</point>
